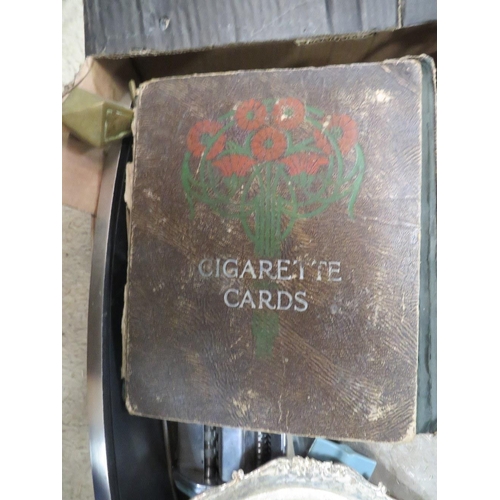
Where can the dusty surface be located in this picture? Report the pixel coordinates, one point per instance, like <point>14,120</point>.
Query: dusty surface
<point>408,470</point>
<point>76,257</point>
<point>73,51</point>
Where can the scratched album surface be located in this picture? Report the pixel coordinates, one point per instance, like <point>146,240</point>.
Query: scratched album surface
<point>275,249</point>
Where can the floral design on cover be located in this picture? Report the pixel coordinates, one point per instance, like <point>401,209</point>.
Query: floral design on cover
<point>269,163</point>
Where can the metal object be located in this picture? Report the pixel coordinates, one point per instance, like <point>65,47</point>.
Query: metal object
<point>168,453</point>
<point>296,479</point>
<point>127,453</point>
<point>301,445</point>
<point>237,452</point>
<point>190,463</point>
<point>95,120</point>
<point>210,468</point>
<point>97,306</point>
<point>188,486</point>
<point>263,448</point>
<point>207,456</point>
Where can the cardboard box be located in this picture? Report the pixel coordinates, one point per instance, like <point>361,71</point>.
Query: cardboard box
<point>109,75</point>
<point>123,27</point>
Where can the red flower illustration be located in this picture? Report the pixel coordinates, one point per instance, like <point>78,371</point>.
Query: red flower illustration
<point>322,142</point>
<point>234,164</point>
<point>200,134</point>
<point>305,162</point>
<point>346,131</point>
<point>288,113</point>
<point>250,115</point>
<point>268,144</point>
<point>349,132</point>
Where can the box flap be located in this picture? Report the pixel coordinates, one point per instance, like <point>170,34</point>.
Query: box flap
<point>122,27</point>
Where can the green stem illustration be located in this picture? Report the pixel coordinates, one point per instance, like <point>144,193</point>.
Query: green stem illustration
<point>271,174</point>
<point>265,323</point>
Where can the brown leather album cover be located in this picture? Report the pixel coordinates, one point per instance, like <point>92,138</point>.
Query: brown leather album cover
<point>275,248</point>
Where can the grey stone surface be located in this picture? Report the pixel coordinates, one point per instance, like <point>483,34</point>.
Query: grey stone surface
<point>73,50</point>
<point>408,470</point>
<point>76,257</point>
<point>76,253</point>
